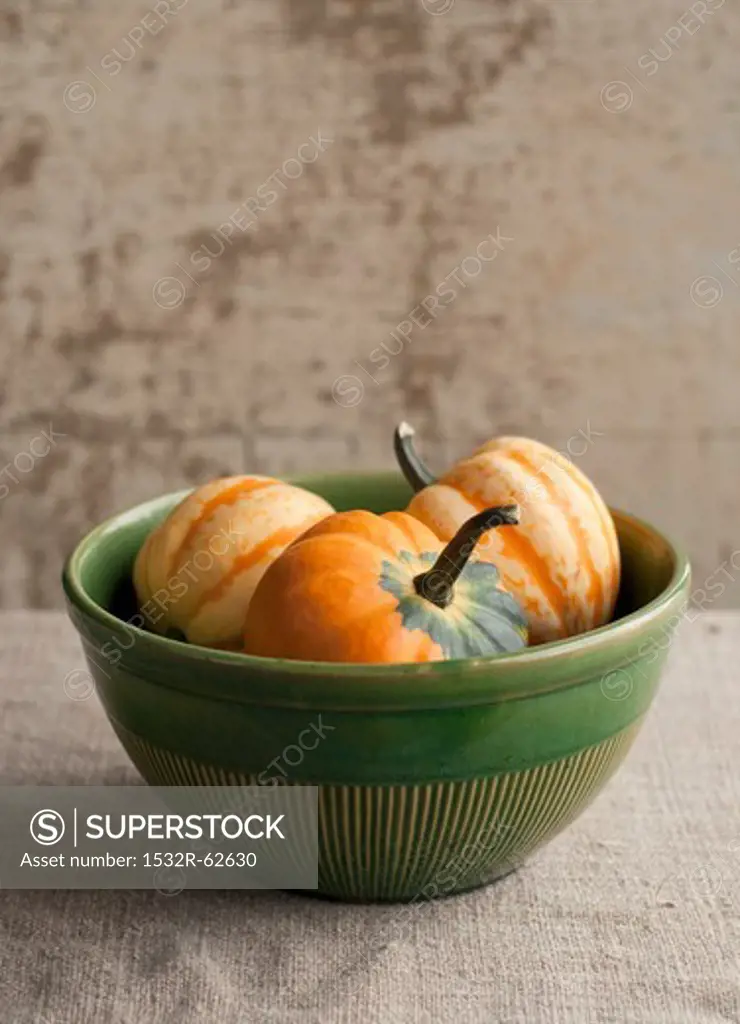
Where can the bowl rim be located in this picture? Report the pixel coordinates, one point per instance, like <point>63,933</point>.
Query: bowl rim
<point>496,669</point>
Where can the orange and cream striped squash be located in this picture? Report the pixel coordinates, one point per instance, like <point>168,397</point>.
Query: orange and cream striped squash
<point>197,571</point>
<point>562,562</point>
<point>364,588</point>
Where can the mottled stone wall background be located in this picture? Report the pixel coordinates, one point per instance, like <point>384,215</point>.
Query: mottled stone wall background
<point>130,132</point>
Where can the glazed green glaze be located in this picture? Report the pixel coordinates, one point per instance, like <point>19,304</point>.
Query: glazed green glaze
<point>419,764</point>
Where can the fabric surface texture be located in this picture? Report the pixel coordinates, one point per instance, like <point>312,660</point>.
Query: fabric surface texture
<point>632,916</point>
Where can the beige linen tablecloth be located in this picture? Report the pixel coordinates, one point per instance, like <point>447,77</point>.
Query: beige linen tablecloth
<point>633,915</point>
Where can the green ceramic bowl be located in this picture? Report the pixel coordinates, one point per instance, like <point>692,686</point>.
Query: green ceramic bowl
<point>433,778</point>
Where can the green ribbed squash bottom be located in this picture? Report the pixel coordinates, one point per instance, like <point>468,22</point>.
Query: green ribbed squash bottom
<point>420,841</point>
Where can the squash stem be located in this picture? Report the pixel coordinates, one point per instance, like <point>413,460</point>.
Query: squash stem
<point>411,465</point>
<point>437,584</point>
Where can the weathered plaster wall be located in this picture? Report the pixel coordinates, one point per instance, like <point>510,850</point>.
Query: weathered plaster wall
<point>614,175</point>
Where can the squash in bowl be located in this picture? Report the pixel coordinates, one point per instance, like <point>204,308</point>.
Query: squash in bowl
<point>434,777</point>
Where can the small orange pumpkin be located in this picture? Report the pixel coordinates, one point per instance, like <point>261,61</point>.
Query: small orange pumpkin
<point>197,571</point>
<point>364,588</point>
<point>563,563</point>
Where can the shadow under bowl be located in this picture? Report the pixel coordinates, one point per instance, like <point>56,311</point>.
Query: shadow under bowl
<point>433,778</point>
